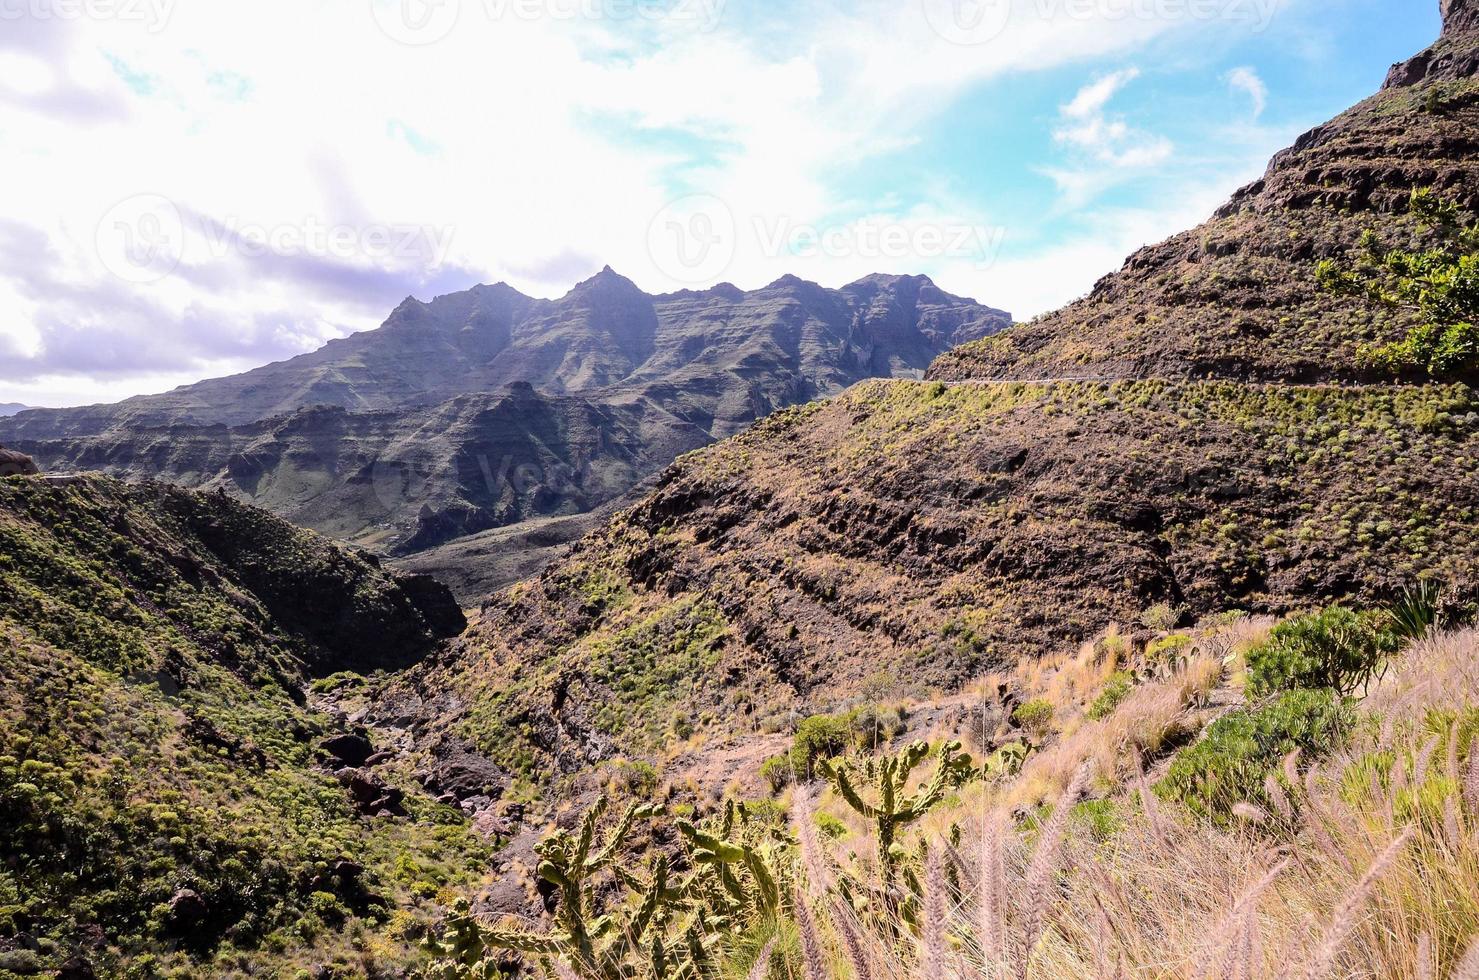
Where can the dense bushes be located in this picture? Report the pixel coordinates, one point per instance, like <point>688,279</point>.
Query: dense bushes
<point>1229,765</point>
<point>1337,649</point>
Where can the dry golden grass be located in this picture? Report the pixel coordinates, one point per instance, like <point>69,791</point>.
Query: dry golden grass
<point>1372,871</point>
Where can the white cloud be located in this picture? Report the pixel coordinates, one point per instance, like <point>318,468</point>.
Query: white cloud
<point>1108,149</point>
<point>543,143</point>
<point>1246,80</point>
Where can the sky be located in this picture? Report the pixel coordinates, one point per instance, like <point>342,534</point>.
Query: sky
<point>196,187</point>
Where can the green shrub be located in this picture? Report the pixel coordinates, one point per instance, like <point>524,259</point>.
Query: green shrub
<point>819,737</point>
<point>1415,614</point>
<point>1337,648</point>
<point>1116,689</point>
<point>1239,751</point>
<point>830,827</point>
<point>1035,716</point>
<point>777,772</point>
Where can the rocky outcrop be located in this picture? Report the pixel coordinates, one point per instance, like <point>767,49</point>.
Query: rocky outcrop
<point>16,464</point>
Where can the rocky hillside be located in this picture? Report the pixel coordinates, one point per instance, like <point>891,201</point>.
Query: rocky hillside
<point>922,532</point>
<point>428,429</point>
<point>1234,297</point>
<point>166,797</point>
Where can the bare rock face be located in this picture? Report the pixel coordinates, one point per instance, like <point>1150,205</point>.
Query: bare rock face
<point>1455,56</point>
<point>1460,16</point>
<point>16,464</point>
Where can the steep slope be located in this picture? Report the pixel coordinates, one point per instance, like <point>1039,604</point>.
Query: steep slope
<point>924,532</point>
<point>426,430</point>
<point>1234,297</point>
<point>161,798</point>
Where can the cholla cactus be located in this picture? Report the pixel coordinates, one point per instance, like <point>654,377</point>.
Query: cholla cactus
<point>894,810</point>
<point>602,947</point>
<point>722,854</point>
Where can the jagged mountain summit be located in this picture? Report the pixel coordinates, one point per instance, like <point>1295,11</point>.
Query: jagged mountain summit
<point>932,531</point>
<point>604,333</point>
<point>484,409</point>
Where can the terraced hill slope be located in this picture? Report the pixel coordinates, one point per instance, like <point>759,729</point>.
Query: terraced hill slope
<point>917,533</point>
<point>1234,297</point>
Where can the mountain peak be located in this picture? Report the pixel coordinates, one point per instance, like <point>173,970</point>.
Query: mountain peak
<point>607,279</point>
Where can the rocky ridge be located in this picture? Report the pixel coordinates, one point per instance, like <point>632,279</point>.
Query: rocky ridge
<point>487,409</point>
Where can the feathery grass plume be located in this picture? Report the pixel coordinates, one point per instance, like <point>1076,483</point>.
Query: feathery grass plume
<point>1147,801</point>
<point>813,954</point>
<point>1468,967</point>
<point>1101,942</point>
<point>1247,811</point>
<point>803,823</point>
<point>845,921</point>
<point>1471,778</point>
<point>1044,862</point>
<point>761,969</point>
<point>1450,756</point>
<point>1453,833</point>
<point>990,884</point>
<point>1424,759</point>
<point>1233,929</point>
<point>935,913</point>
<point>1344,921</point>
<point>1250,945</point>
<point>1424,957</point>
<point>1274,790</point>
<point>1317,821</point>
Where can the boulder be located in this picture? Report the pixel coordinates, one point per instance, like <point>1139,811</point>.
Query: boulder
<point>187,909</point>
<point>16,464</point>
<point>351,750</point>
<point>372,795</point>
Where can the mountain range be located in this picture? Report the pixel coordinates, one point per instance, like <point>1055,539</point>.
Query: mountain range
<point>229,746</point>
<point>487,409</point>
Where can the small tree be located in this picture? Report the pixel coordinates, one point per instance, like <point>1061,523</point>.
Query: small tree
<point>1338,649</point>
